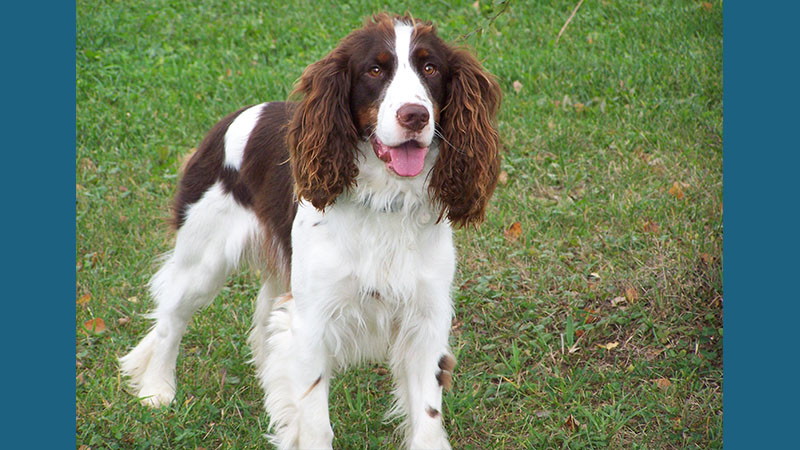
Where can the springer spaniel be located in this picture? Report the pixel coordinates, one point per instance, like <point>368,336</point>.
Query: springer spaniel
<point>345,198</point>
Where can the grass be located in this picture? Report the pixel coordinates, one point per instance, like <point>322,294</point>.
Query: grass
<point>594,323</point>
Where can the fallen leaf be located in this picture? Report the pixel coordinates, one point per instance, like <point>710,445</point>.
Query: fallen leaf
<point>96,325</point>
<point>631,294</point>
<point>514,231</point>
<point>579,107</point>
<point>650,227</point>
<point>591,316</point>
<point>517,86</point>
<point>123,320</point>
<point>662,383</point>
<point>88,165</point>
<point>676,191</point>
<point>133,299</point>
<point>617,300</point>
<point>503,177</point>
<point>380,371</point>
<point>707,6</point>
<point>83,300</point>
<point>579,333</point>
<point>571,424</point>
<point>609,346</point>
<point>706,258</point>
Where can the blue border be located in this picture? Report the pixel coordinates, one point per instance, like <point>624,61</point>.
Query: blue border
<point>38,145</point>
<point>762,169</point>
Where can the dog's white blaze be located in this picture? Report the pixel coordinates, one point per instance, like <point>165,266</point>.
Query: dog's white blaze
<point>405,87</point>
<point>237,135</point>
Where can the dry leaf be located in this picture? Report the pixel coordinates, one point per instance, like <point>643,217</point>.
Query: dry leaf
<point>503,177</point>
<point>609,346</point>
<point>706,258</point>
<point>84,300</point>
<point>662,383</point>
<point>517,86</point>
<point>133,299</point>
<point>676,191</point>
<point>96,325</point>
<point>579,107</point>
<point>707,6</point>
<point>631,294</point>
<point>617,300</point>
<point>88,165</point>
<point>123,320</point>
<point>650,227</point>
<point>514,231</point>
<point>591,316</point>
<point>579,333</point>
<point>571,424</point>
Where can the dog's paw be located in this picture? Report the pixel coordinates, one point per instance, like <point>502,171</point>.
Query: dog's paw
<point>156,396</point>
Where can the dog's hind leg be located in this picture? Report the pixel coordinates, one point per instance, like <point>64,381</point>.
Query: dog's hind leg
<point>209,245</point>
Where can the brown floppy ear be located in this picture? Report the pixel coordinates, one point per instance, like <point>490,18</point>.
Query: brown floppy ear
<point>465,174</point>
<point>321,135</point>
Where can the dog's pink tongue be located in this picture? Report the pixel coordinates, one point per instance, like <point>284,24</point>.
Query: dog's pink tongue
<point>407,159</point>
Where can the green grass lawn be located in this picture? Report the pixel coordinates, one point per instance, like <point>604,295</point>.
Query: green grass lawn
<point>596,322</point>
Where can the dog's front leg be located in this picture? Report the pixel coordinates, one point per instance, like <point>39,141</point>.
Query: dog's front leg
<point>296,381</point>
<point>422,365</point>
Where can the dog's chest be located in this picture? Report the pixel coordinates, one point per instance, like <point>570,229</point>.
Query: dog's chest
<point>358,252</point>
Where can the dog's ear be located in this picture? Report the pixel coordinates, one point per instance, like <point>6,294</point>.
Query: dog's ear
<point>321,135</point>
<point>465,174</point>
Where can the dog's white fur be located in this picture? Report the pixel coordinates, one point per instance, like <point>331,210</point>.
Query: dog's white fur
<point>370,280</point>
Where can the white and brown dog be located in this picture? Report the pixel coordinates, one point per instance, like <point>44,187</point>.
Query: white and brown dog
<point>390,141</point>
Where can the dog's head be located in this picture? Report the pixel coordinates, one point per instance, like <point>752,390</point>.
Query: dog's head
<point>395,84</point>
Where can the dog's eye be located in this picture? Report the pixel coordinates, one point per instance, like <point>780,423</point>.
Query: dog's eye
<point>429,69</point>
<point>375,71</point>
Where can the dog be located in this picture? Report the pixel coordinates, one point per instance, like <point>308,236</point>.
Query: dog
<point>346,197</point>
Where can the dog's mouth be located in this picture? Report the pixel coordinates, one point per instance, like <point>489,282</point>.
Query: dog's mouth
<point>406,159</point>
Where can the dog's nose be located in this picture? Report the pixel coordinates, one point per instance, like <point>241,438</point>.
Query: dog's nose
<point>413,116</point>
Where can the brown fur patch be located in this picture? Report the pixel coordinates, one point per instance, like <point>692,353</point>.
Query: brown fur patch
<point>311,388</point>
<point>445,375</point>
<point>384,57</point>
<point>447,362</point>
<point>445,379</point>
<point>433,412</point>
<point>284,299</point>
